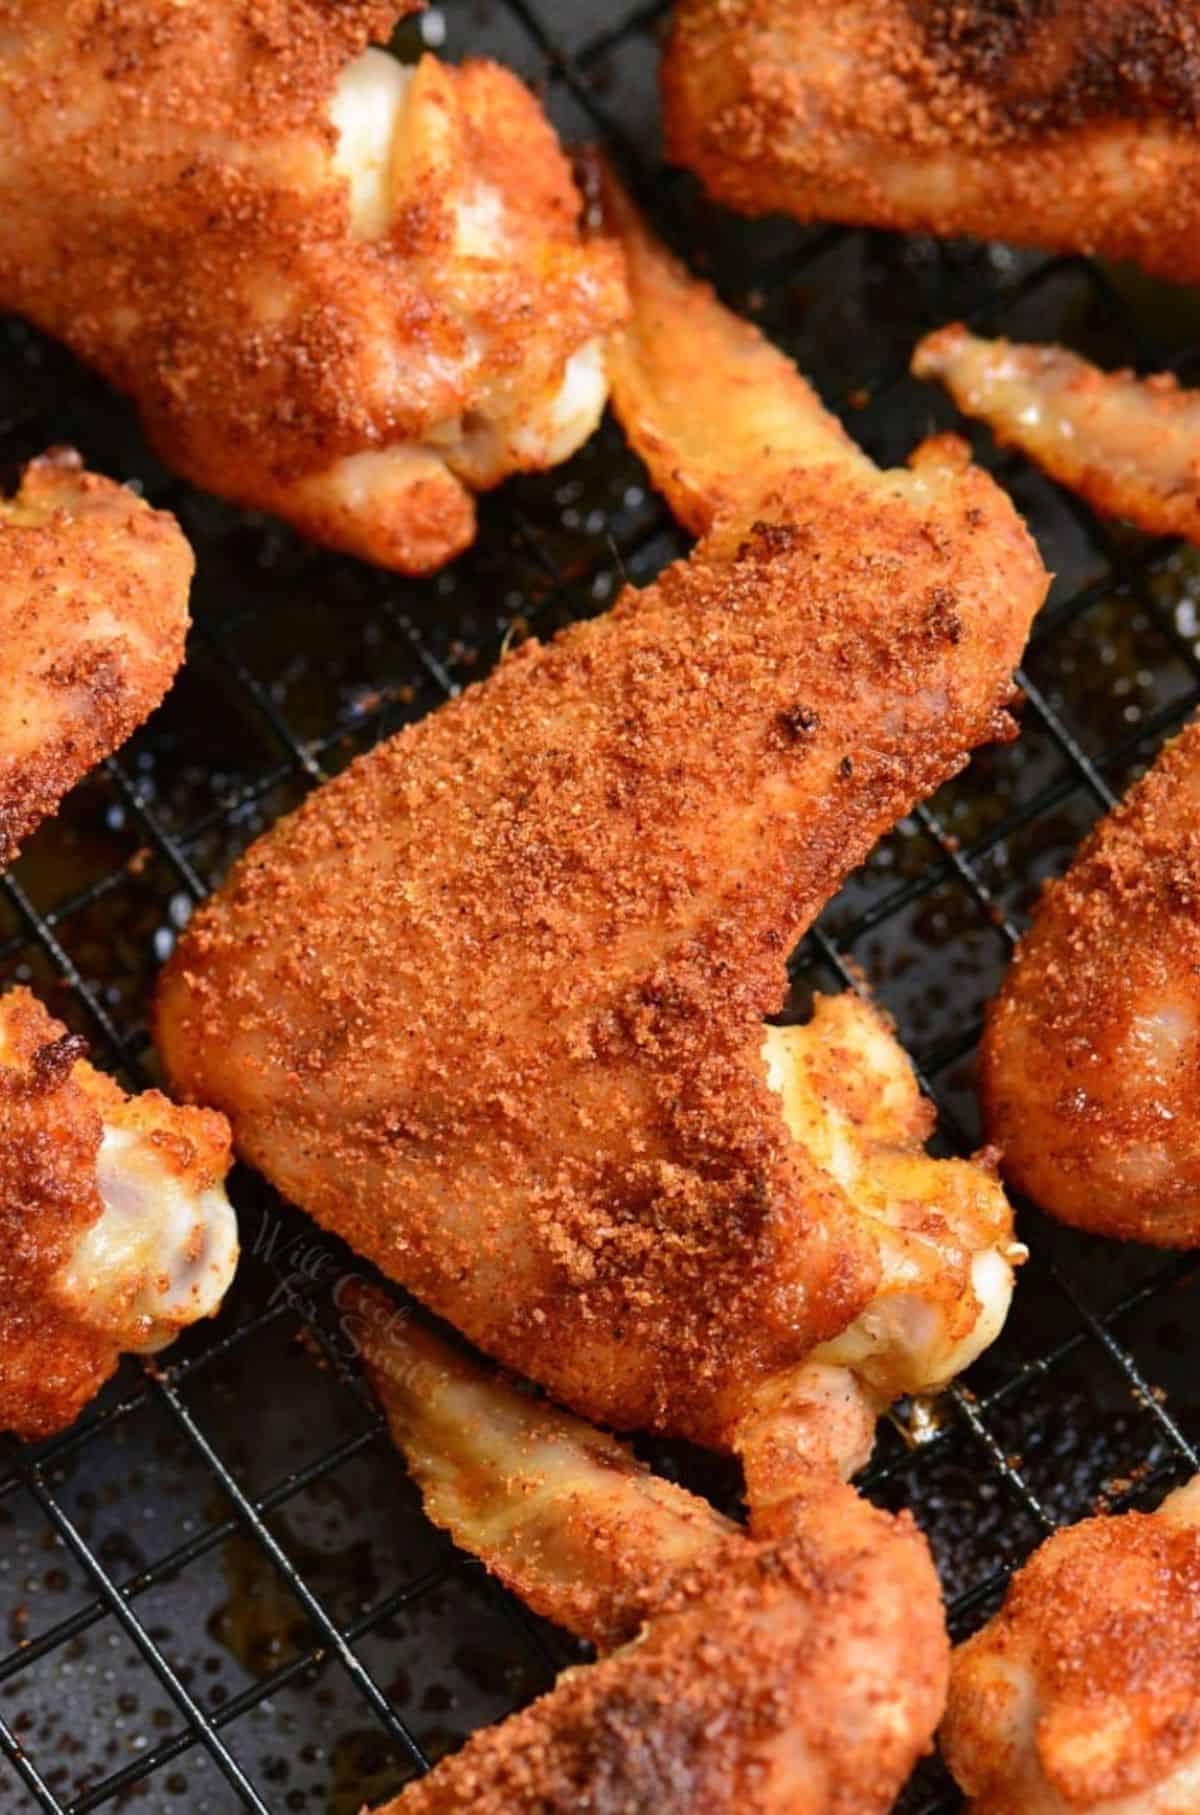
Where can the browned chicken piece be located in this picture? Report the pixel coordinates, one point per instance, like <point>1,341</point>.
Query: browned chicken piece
<point>93,616</point>
<point>801,1667</point>
<point>337,288</point>
<point>1069,124</point>
<point>1082,1696</point>
<point>115,1231</point>
<point>491,1003</point>
<point>1129,445</point>
<point>1090,1056</point>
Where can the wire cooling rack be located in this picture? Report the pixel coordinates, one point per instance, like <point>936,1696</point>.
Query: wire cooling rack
<point>217,1591</point>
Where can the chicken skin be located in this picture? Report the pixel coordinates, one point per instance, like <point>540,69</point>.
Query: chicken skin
<point>1089,1059</point>
<point>800,1667</point>
<point>1130,446</point>
<point>490,1004</point>
<point>337,288</point>
<point>93,616</point>
<point>1082,1696</point>
<point>1069,124</point>
<point>115,1231</point>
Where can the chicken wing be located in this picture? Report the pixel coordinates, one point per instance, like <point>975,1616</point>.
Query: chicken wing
<point>337,288</point>
<point>1082,1696</point>
<point>93,616</point>
<point>802,1667</point>
<point>490,1004</point>
<point>1089,1059</point>
<point>1068,123</point>
<point>115,1231</point>
<point>1130,446</point>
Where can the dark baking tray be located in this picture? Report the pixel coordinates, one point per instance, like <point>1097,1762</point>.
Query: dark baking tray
<point>217,1591</point>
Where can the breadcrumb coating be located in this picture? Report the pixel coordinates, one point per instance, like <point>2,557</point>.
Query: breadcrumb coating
<point>1062,123</point>
<point>93,616</point>
<point>1089,1059</point>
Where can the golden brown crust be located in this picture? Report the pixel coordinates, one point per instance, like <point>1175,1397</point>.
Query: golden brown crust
<point>54,1110</point>
<point>174,214</point>
<point>1064,123</point>
<point>490,1003</point>
<point>560,1511</point>
<point>1084,1687</point>
<point>800,1675</point>
<point>1130,446</point>
<point>93,615</point>
<point>1089,1060</point>
<point>717,413</point>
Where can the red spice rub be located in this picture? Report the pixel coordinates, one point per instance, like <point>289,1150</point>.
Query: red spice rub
<point>1091,1055</point>
<point>1063,123</point>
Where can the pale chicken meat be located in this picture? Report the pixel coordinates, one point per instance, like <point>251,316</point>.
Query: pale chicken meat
<point>799,1666</point>
<point>1082,1695</point>
<point>491,1003</point>
<point>115,1230</point>
<point>1090,1055</point>
<point>1129,445</point>
<point>1069,124</point>
<point>942,1231</point>
<point>93,617</point>
<point>337,288</point>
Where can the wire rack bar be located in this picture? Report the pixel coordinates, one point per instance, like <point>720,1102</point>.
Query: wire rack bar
<point>191,1710</point>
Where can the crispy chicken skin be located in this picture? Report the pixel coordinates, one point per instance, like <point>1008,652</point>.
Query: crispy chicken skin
<point>93,615</point>
<point>1129,445</point>
<point>1089,1059</point>
<point>1062,123</point>
<point>490,1004</point>
<point>336,288</point>
<point>801,1667</point>
<point>1082,1696</point>
<point>115,1232</point>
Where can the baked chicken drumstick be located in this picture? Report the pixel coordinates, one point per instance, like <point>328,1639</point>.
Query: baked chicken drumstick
<point>1129,445</point>
<point>799,1667</point>
<point>336,288</point>
<point>115,1231</point>
<point>93,616</point>
<point>1069,124</point>
<point>490,1004</point>
<point>1090,1055</point>
<point>1082,1696</point>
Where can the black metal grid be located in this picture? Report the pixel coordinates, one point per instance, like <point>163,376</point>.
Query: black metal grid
<point>299,660</point>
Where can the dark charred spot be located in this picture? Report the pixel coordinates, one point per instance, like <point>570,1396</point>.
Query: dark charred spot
<point>1049,65</point>
<point>797,723</point>
<point>768,540</point>
<point>51,1064</point>
<point>846,768</point>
